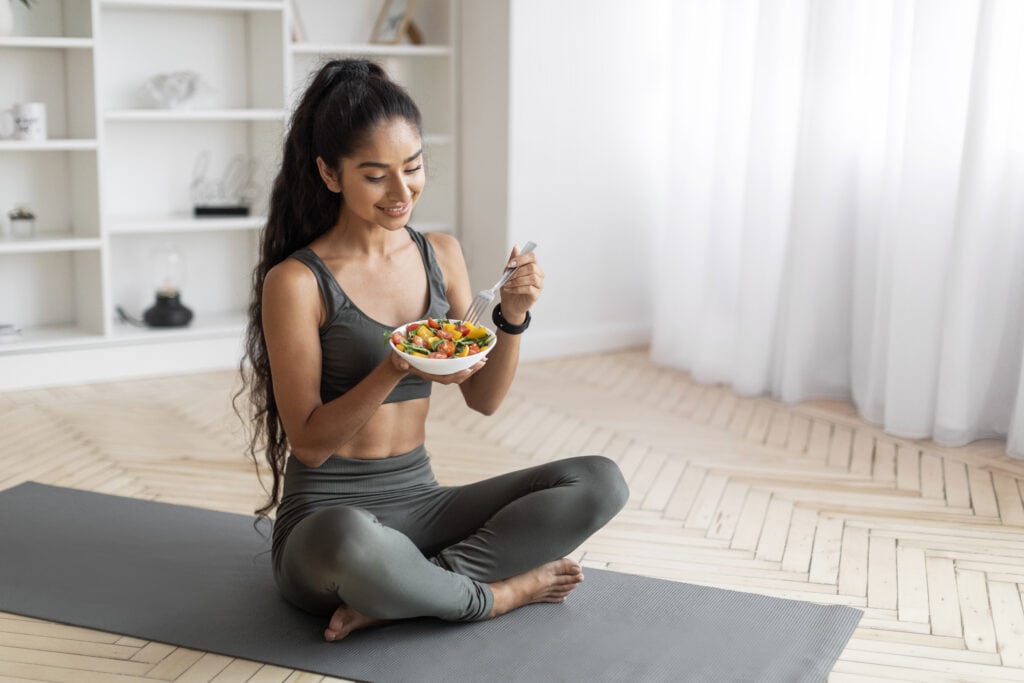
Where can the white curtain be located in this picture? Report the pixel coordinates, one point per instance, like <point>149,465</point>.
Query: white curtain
<point>845,212</point>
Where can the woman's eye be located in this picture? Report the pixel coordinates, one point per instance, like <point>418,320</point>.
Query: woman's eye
<point>375,179</point>
<point>410,171</point>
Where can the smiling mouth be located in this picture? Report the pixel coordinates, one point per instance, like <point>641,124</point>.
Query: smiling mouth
<point>395,211</point>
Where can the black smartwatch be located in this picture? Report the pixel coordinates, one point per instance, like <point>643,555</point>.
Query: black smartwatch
<point>507,327</point>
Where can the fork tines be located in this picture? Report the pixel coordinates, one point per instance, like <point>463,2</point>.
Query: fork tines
<point>477,306</point>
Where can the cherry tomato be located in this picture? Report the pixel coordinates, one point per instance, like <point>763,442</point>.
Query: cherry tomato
<point>473,348</point>
<point>445,334</point>
<point>436,354</point>
<point>447,347</point>
<point>419,341</point>
<point>411,328</point>
<point>431,323</point>
<point>397,338</point>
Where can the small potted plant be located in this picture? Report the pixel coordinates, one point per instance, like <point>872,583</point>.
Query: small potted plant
<point>23,221</point>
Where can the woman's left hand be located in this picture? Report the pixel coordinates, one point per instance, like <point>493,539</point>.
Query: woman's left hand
<point>523,289</point>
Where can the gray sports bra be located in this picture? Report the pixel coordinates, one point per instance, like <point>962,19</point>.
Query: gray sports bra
<point>353,344</point>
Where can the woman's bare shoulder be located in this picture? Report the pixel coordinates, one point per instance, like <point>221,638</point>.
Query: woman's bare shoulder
<point>288,283</point>
<point>447,248</point>
<point>287,275</point>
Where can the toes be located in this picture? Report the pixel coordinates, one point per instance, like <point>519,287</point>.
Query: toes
<point>567,579</point>
<point>567,566</point>
<point>339,624</point>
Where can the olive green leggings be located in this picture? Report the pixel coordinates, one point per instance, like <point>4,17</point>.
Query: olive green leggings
<point>384,538</point>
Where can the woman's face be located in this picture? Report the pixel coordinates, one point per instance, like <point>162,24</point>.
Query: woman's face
<point>381,181</point>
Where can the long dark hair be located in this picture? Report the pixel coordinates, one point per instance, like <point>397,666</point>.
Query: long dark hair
<point>345,100</point>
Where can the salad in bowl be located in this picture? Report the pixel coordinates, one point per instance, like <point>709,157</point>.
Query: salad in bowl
<point>442,347</point>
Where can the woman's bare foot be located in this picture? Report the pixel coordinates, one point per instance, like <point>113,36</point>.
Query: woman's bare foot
<point>345,620</point>
<point>549,582</point>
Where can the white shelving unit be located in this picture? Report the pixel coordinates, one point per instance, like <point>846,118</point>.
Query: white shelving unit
<point>113,183</point>
<point>428,71</point>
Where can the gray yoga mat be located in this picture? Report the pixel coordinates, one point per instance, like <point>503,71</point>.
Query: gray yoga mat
<point>201,579</point>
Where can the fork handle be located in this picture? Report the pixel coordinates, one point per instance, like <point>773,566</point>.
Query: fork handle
<point>507,275</point>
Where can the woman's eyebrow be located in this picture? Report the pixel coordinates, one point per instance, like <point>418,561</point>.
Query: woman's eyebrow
<point>378,164</point>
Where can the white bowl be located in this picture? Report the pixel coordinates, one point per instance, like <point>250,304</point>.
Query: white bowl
<point>441,366</point>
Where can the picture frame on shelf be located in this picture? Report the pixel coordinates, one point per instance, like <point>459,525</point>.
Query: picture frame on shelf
<point>298,28</point>
<point>393,22</point>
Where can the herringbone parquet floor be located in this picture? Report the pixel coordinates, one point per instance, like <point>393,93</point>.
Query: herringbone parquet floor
<point>802,502</point>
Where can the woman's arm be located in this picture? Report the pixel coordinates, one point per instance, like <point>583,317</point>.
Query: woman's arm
<point>485,390</point>
<point>292,313</point>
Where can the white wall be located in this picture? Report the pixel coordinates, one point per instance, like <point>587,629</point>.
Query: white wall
<point>587,165</point>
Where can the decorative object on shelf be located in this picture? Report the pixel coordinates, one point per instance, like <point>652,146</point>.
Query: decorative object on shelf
<point>393,22</point>
<point>230,195</point>
<point>7,16</point>
<point>168,269</point>
<point>24,121</point>
<point>174,90</point>
<point>8,332</point>
<point>298,28</point>
<point>23,221</point>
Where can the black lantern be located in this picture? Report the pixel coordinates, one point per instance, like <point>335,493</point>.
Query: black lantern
<point>168,274</point>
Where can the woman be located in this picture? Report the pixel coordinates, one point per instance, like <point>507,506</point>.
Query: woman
<point>363,531</point>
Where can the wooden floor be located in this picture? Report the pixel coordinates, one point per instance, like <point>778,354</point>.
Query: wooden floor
<point>802,502</point>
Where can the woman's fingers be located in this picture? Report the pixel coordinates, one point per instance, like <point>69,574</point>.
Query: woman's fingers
<point>458,377</point>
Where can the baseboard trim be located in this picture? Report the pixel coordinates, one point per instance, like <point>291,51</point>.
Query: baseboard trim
<point>112,362</point>
<point>543,344</point>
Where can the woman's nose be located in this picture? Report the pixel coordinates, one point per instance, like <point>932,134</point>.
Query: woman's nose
<point>400,190</point>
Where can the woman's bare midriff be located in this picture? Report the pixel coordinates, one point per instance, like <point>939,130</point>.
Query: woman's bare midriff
<point>395,428</point>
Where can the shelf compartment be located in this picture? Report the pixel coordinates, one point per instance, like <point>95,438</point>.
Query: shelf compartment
<point>155,225</point>
<point>238,55</point>
<point>60,187</point>
<point>162,176</point>
<point>329,22</point>
<point>62,79</point>
<point>217,272</point>
<point>52,295</point>
<point>53,19</point>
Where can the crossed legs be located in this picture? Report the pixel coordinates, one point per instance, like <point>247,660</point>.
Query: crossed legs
<point>456,553</point>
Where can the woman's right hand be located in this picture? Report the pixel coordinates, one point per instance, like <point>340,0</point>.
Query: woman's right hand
<point>403,365</point>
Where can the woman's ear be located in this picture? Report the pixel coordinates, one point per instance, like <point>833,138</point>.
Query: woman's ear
<point>329,175</point>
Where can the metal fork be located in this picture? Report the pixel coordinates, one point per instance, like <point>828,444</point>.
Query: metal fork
<point>484,297</point>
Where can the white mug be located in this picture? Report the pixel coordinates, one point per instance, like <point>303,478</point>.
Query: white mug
<point>25,121</point>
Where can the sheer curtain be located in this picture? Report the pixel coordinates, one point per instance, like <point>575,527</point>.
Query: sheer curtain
<point>845,212</point>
